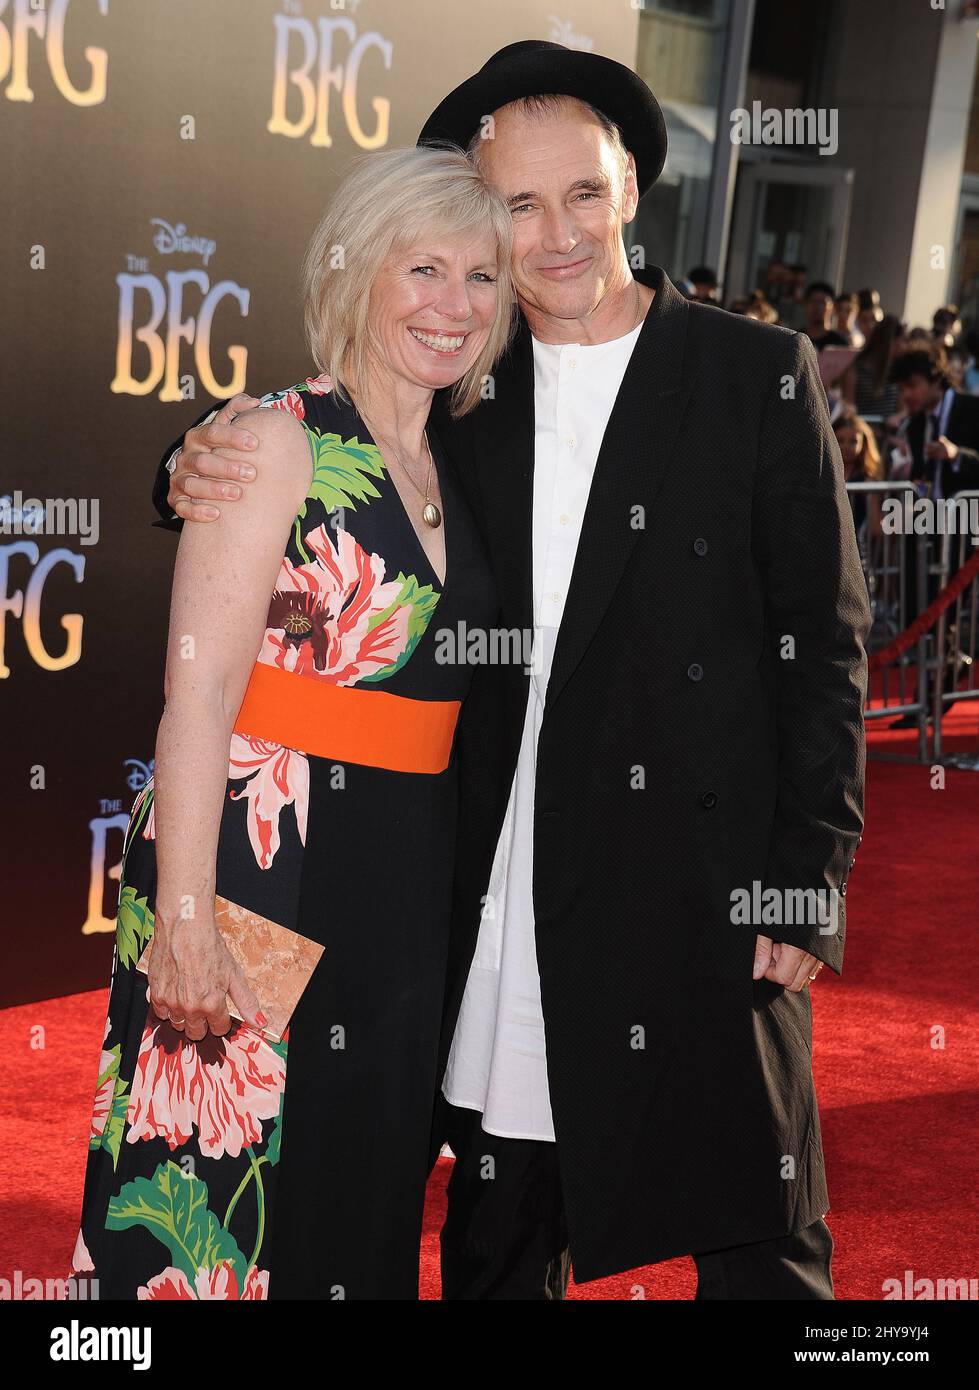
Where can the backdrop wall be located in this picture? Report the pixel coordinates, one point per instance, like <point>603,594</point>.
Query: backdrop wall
<point>162,164</point>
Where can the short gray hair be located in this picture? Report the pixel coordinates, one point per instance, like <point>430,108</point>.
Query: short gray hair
<point>542,104</point>
<point>388,201</point>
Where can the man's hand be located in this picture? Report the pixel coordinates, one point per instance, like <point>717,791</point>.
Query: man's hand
<point>785,965</point>
<point>942,448</point>
<point>211,456</point>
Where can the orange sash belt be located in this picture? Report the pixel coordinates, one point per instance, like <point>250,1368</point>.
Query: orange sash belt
<point>347,723</point>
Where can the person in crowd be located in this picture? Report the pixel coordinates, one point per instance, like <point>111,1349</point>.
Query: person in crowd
<point>943,424</point>
<point>305,776</point>
<point>778,278</point>
<point>754,306</point>
<point>791,305</point>
<point>869,312</point>
<point>705,284</point>
<point>844,319</point>
<point>916,339</point>
<point>861,463</point>
<point>970,369</point>
<point>819,301</point>
<point>942,436</point>
<point>866,383</point>
<point>946,325</point>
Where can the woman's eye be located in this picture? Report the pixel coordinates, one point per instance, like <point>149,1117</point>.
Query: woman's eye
<point>416,268</point>
<point>486,279</point>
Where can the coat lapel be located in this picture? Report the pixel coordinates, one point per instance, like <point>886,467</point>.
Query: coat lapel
<point>635,452</point>
<point>505,466</point>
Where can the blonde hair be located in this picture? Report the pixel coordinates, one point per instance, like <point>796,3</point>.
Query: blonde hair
<point>389,201</point>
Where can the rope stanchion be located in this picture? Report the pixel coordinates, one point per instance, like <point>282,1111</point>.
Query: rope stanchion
<point>927,619</point>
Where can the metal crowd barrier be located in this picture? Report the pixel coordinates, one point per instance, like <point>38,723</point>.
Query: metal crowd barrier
<point>904,573</point>
<point>955,638</point>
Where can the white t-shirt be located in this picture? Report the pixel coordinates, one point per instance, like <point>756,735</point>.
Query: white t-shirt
<point>497,1063</point>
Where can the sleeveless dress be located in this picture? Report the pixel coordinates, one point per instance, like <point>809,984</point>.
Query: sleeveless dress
<point>238,1167</point>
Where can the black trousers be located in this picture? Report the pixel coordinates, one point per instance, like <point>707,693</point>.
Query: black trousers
<point>505,1234</point>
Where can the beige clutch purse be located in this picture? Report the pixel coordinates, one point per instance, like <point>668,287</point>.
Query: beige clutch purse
<point>277,962</point>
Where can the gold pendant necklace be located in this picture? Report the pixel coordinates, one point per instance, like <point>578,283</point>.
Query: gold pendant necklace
<point>430,512</point>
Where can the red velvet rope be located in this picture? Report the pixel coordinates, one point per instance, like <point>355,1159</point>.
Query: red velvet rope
<point>928,618</point>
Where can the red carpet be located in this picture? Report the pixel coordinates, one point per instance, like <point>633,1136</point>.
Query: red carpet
<point>899,1113</point>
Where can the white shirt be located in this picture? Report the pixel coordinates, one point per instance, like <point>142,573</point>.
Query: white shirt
<point>497,1063</point>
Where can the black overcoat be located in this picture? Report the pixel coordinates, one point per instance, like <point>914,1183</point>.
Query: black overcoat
<point>687,750</point>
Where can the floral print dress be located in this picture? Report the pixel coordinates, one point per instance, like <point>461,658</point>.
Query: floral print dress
<point>243,1168</point>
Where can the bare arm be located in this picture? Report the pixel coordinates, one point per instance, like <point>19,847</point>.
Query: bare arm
<point>223,579</point>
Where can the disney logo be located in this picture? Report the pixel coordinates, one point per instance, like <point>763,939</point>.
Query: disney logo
<point>170,239</point>
<point>140,774</point>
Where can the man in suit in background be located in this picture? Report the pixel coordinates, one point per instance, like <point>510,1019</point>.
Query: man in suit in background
<point>943,429</point>
<point>943,437</point>
<point>663,503</point>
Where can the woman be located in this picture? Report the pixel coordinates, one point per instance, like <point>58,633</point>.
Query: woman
<point>861,463</point>
<point>865,382</point>
<point>304,773</point>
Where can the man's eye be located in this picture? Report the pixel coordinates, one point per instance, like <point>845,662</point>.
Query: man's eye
<point>587,195</point>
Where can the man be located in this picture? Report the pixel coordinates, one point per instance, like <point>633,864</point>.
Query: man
<point>942,436</point>
<point>705,284</point>
<point>946,326</point>
<point>819,305</point>
<point>663,503</point>
<point>943,428</point>
<point>869,313</point>
<point>845,315</point>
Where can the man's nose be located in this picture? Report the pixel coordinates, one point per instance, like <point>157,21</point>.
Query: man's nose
<point>560,233</point>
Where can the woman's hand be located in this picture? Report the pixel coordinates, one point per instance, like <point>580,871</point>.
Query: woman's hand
<point>191,972</point>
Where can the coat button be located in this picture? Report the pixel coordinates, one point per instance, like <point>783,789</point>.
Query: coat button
<point>695,672</point>
<point>709,800</point>
<point>843,890</point>
<point>700,546</point>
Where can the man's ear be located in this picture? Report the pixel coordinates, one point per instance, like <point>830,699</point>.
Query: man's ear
<point>630,194</point>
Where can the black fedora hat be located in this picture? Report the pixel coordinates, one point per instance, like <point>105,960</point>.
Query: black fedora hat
<point>535,67</point>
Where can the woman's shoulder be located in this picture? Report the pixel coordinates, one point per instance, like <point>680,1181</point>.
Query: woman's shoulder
<point>303,399</point>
